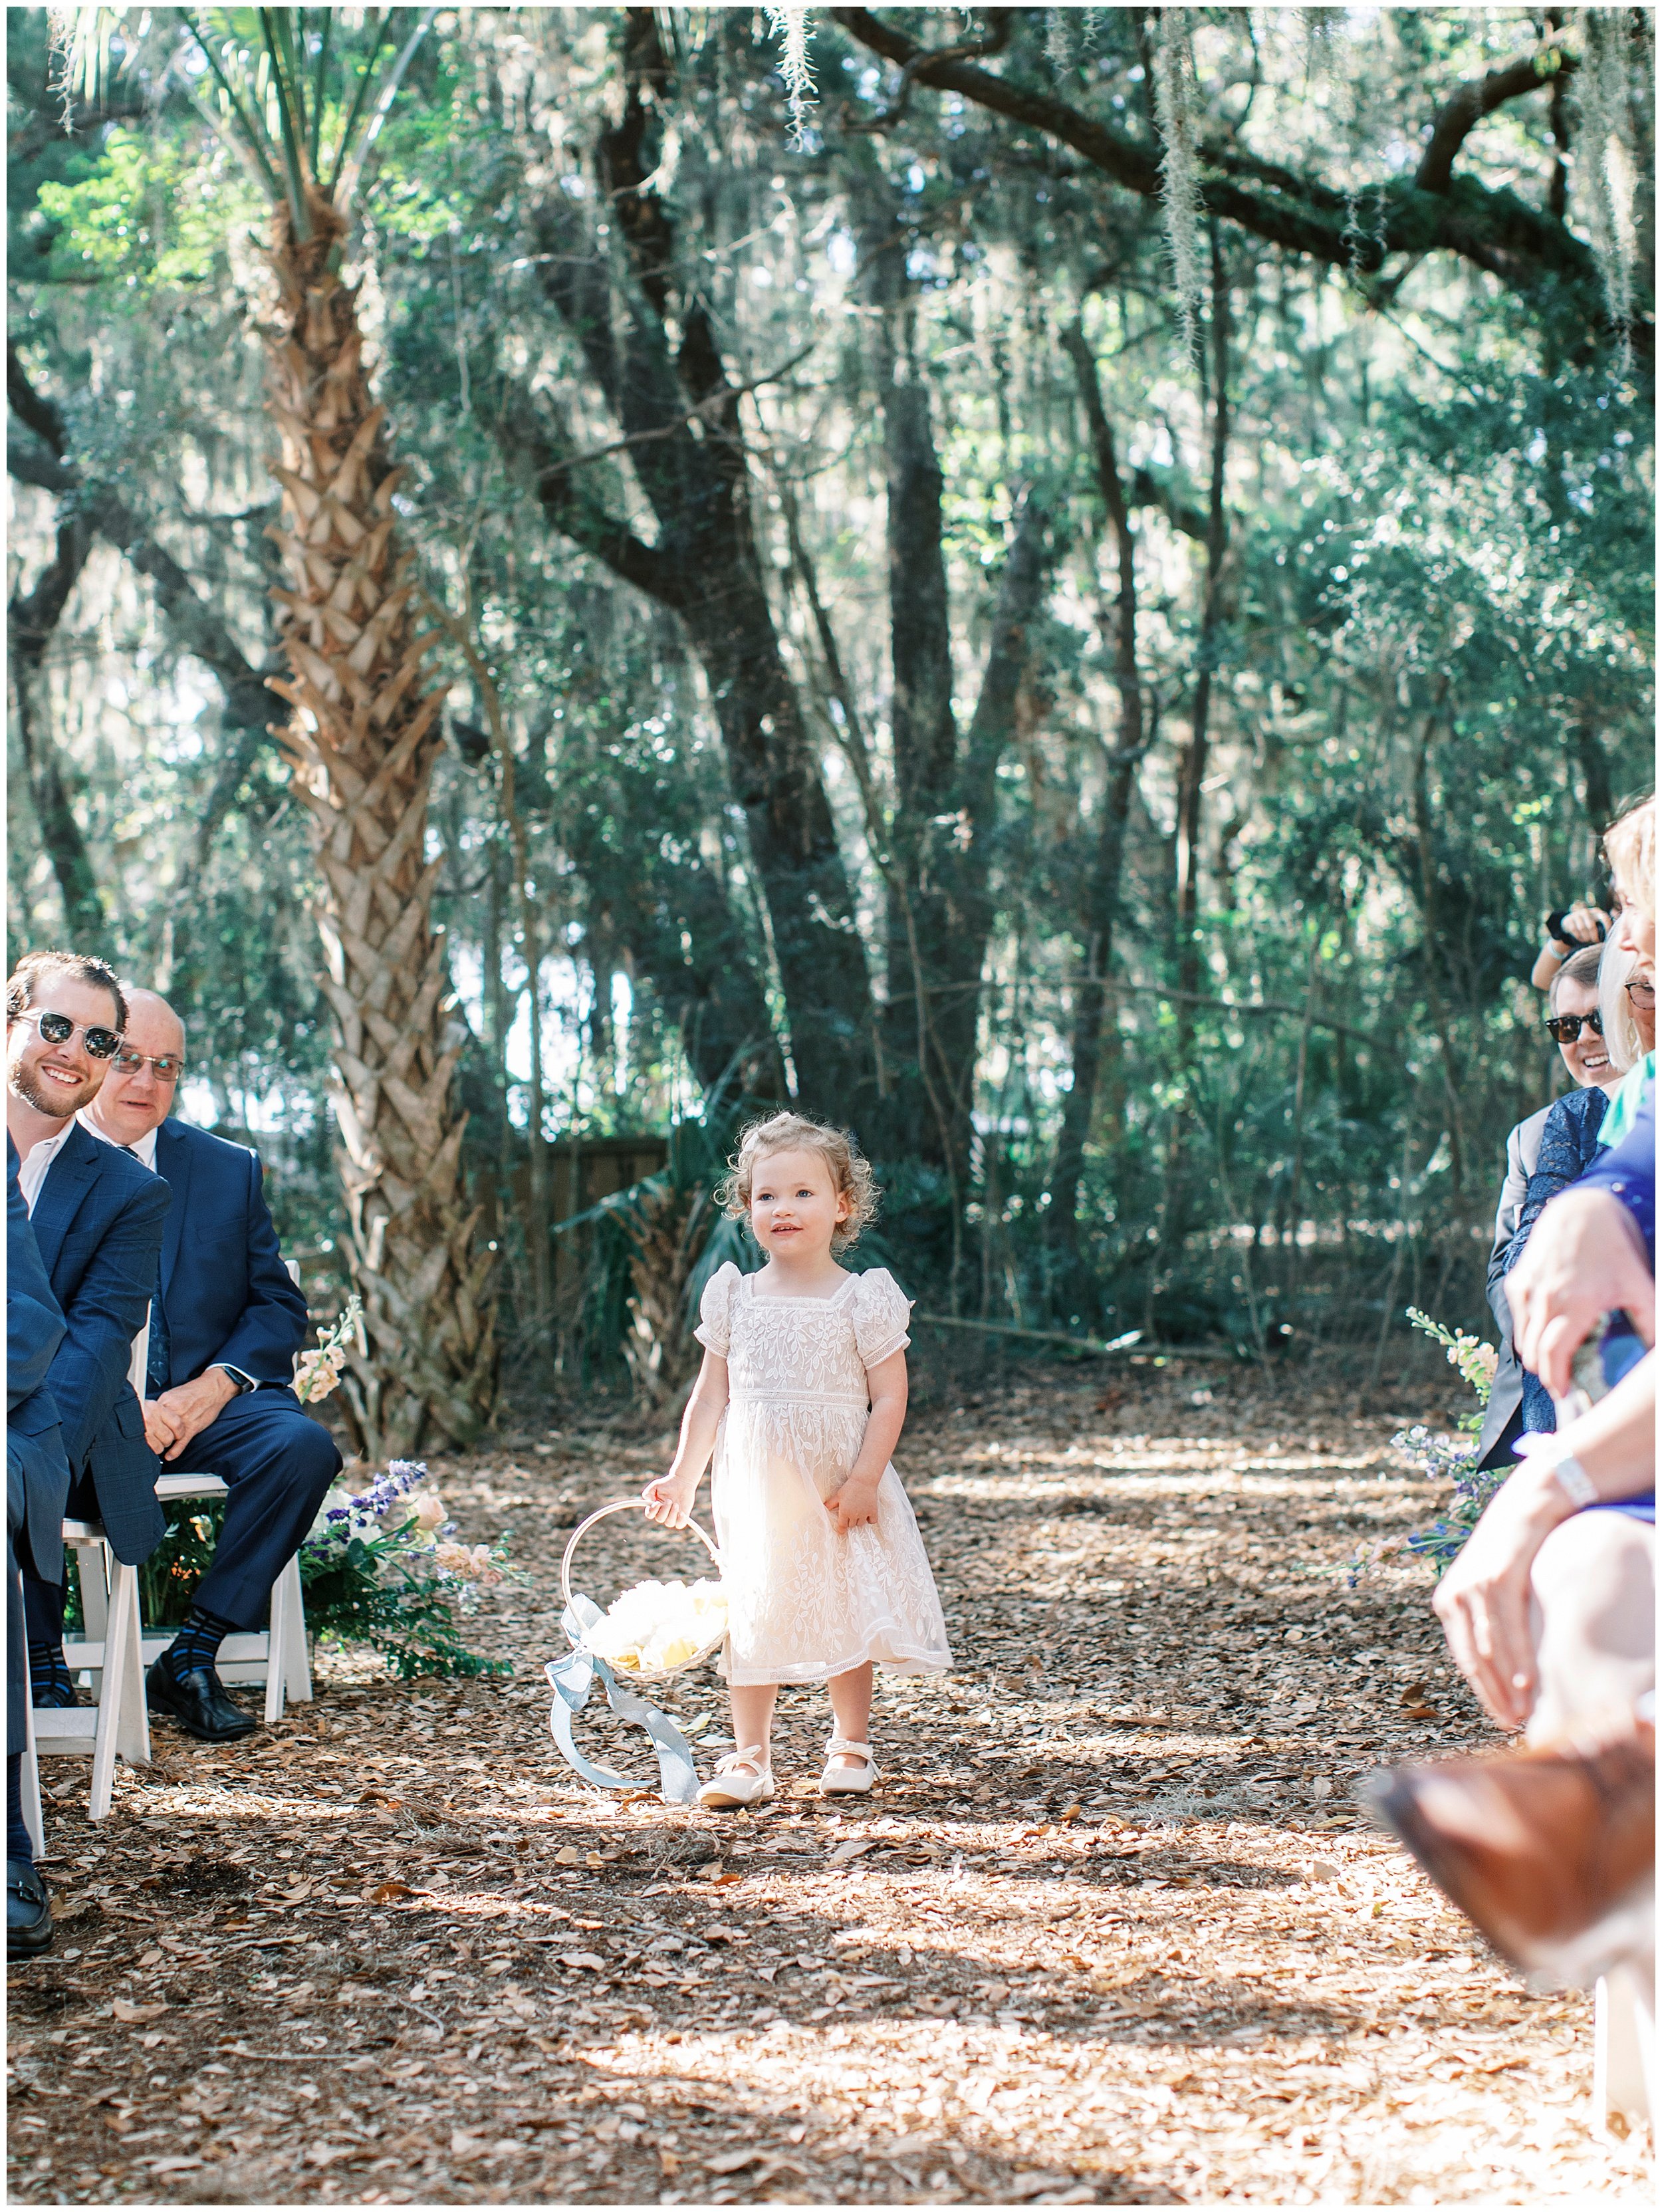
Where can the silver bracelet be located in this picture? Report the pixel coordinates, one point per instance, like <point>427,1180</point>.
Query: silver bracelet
<point>1574,1481</point>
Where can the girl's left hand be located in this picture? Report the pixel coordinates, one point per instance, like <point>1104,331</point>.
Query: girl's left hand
<point>854,1506</point>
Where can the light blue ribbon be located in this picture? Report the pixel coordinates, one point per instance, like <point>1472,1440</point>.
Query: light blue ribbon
<point>573,1679</point>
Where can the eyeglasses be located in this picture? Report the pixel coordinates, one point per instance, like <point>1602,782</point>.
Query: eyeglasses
<point>168,1065</point>
<point>58,1029</point>
<point>1564,1028</point>
<point>1642,994</point>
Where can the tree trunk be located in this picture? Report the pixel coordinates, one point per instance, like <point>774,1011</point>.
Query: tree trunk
<point>1193,774</point>
<point>1101,904</point>
<point>362,738</point>
<point>655,356</point>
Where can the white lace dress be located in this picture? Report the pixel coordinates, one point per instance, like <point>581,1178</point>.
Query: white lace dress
<point>806,1599</point>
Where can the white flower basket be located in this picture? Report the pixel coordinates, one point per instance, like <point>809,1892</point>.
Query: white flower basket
<point>642,1673</point>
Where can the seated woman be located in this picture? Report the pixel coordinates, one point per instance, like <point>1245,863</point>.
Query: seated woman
<point>1606,1044</point>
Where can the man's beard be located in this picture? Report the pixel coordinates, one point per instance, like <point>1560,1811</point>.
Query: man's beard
<point>60,1104</point>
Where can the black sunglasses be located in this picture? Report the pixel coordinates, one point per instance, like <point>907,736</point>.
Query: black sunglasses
<point>58,1029</point>
<point>1564,1029</point>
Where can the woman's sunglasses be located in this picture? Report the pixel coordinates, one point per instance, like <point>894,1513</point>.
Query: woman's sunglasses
<point>1564,1029</point>
<point>58,1029</point>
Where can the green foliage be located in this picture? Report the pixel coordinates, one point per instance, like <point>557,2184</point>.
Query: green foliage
<point>1431,660</point>
<point>362,1594</point>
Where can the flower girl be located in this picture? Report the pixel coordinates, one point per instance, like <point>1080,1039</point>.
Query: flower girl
<point>801,1396</point>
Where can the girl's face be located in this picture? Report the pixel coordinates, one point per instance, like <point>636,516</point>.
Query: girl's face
<point>795,1208</point>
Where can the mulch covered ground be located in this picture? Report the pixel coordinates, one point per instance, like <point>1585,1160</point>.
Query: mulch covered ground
<point>1110,1933</point>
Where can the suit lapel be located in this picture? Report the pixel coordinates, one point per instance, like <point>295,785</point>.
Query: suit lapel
<point>173,1162</point>
<point>69,1179</point>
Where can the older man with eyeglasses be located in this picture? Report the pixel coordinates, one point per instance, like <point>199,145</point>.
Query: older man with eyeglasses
<point>226,1323</point>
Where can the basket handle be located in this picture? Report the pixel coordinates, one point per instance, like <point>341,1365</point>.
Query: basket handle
<point>617,1505</point>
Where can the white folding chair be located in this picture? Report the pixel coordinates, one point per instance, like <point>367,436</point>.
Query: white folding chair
<point>110,1649</point>
<point>276,1655</point>
<point>1623,2048</point>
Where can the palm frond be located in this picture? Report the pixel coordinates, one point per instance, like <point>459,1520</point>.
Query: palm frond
<point>350,176</point>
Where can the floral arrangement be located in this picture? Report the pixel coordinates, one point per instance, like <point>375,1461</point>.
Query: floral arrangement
<point>318,1371</point>
<point>656,1627</point>
<point>1446,1459</point>
<point>382,1566</point>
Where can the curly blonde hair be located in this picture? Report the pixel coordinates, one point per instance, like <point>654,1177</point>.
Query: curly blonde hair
<point>850,1171</point>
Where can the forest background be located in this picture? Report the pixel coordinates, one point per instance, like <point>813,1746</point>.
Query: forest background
<point>1068,594</point>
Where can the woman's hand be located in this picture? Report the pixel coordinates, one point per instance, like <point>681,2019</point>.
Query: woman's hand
<point>855,1505</point>
<point>1483,1602</point>
<point>1585,1258</point>
<point>669,1499</point>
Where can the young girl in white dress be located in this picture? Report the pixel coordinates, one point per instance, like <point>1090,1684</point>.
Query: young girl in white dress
<point>802,1397</point>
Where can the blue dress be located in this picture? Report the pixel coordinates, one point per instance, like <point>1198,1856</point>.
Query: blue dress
<point>1569,1146</point>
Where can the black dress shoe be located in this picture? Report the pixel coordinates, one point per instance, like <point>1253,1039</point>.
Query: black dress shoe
<point>28,1912</point>
<point>197,1700</point>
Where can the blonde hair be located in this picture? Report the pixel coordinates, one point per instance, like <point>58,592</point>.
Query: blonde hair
<point>850,1170</point>
<point>1623,1040</point>
<point>1630,848</point>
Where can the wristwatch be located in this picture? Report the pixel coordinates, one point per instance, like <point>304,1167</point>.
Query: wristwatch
<point>243,1383</point>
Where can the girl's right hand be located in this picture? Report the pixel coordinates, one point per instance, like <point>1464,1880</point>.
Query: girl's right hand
<point>669,1500</point>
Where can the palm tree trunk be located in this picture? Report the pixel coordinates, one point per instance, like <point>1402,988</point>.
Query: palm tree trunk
<point>363,739</point>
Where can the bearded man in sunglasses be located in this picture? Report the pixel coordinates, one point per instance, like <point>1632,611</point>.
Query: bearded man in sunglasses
<point>226,1323</point>
<point>98,1218</point>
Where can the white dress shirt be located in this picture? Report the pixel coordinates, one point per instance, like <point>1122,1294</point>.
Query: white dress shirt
<point>142,1147</point>
<point>31,1168</point>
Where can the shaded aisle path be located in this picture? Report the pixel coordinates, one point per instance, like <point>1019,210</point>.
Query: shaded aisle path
<point>1111,1935</point>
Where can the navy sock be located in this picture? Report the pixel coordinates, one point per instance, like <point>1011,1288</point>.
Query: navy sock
<point>196,1645</point>
<point>49,1671</point>
<point>18,1844</point>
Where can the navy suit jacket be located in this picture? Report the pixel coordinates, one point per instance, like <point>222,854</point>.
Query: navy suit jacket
<point>98,1222</point>
<point>225,1292</point>
<point>37,1472</point>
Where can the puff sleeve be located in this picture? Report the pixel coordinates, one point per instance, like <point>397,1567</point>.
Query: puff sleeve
<point>882,1310</point>
<point>715,1309</point>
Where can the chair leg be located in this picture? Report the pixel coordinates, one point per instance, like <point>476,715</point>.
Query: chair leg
<point>123,1722</point>
<point>287,1672</point>
<point>297,1661</point>
<point>29,1780</point>
<point>1624,2047</point>
<point>92,1564</point>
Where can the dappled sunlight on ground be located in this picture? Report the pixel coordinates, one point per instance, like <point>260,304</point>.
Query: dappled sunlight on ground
<point>1110,1932</point>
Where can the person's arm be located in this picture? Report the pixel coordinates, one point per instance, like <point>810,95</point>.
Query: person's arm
<point>855,1503</point>
<point>1483,1602</point>
<point>35,1320</point>
<point>1582,925</point>
<point>261,1348</point>
<point>1566,1146</point>
<point>1585,1259</point>
<point>669,1499</point>
<point>270,1330</point>
<point>104,1315</point>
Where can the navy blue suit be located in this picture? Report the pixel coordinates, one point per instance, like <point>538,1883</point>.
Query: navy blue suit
<point>226,1300</point>
<point>98,1221</point>
<point>37,1472</point>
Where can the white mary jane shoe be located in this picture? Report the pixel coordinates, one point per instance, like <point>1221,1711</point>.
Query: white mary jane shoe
<point>848,1781</point>
<point>743,1778</point>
